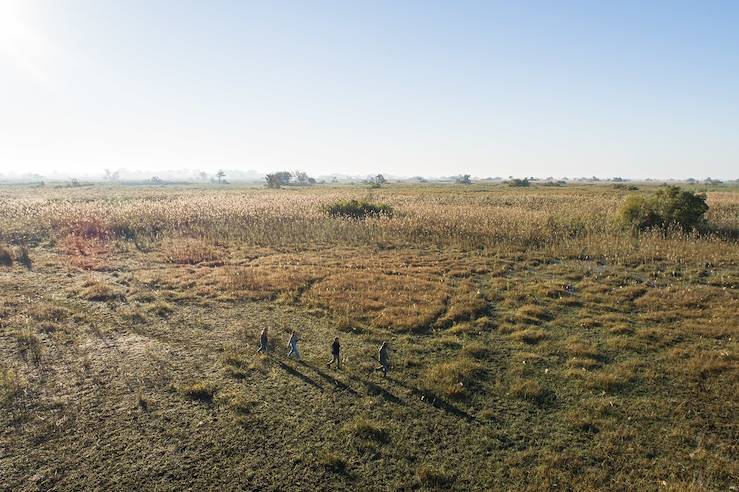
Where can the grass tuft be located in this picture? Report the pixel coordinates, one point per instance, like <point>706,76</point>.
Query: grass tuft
<point>367,429</point>
<point>434,477</point>
<point>201,391</point>
<point>452,379</point>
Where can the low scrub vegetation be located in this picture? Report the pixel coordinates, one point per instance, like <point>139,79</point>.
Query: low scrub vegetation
<point>535,343</point>
<point>355,209</point>
<point>667,208</point>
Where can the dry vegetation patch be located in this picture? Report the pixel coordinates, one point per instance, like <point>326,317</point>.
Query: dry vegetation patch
<point>542,345</point>
<point>453,379</point>
<point>191,251</point>
<point>398,302</point>
<point>261,282</point>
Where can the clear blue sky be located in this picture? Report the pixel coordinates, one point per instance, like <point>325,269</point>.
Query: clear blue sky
<point>638,89</point>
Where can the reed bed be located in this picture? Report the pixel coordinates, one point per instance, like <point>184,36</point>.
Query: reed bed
<point>576,221</point>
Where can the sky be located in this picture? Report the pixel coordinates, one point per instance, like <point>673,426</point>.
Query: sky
<point>523,88</point>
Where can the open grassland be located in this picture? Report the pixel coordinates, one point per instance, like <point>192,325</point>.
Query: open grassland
<point>536,344</point>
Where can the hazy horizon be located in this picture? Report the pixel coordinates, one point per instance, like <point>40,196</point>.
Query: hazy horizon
<point>413,88</point>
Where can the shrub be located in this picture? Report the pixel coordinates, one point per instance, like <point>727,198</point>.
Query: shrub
<point>519,183</point>
<point>355,209</point>
<point>668,207</point>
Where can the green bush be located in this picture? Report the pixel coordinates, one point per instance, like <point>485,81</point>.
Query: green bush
<point>519,183</point>
<point>668,207</point>
<point>355,209</point>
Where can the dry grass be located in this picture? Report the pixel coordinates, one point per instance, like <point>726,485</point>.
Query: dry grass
<point>434,477</point>
<point>190,251</point>
<point>366,429</point>
<point>528,390</point>
<point>100,290</point>
<point>199,390</point>
<point>535,345</point>
<point>530,336</point>
<point>398,302</point>
<point>453,379</point>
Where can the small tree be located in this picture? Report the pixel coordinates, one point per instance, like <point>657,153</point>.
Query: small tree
<point>276,180</point>
<point>463,179</point>
<point>519,183</point>
<point>302,179</point>
<point>220,175</point>
<point>668,207</point>
<point>111,176</point>
<point>376,181</point>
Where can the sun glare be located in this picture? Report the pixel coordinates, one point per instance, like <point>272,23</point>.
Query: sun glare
<point>19,41</point>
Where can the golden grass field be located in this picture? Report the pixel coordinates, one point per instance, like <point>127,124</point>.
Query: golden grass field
<point>536,344</point>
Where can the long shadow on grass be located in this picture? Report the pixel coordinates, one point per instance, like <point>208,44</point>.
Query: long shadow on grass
<point>435,400</point>
<point>333,380</point>
<point>295,372</point>
<point>376,389</point>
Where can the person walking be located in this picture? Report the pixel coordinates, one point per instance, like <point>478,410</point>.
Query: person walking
<point>263,341</point>
<point>335,354</point>
<point>384,357</point>
<point>293,342</point>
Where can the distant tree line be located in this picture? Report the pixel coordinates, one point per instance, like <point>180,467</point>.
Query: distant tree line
<point>285,178</point>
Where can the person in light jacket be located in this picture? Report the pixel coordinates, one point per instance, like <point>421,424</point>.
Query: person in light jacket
<point>384,357</point>
<point>263,341</point>
<point>293,342</point>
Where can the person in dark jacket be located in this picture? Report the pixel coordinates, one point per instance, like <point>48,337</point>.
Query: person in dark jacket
<point>263,341</point>
<point>335,354</point>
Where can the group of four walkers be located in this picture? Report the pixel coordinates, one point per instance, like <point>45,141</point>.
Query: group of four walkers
<point>383,356</point>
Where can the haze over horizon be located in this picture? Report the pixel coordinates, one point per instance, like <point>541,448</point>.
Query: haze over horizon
<point>412,88</point>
